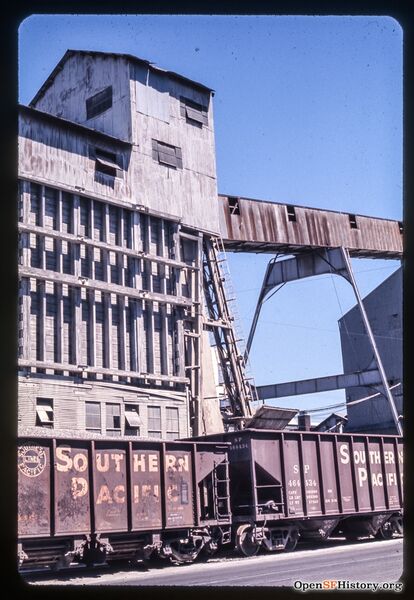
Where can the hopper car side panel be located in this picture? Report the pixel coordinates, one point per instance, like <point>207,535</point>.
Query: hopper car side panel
<point>118,496</point>
<point>300,475</point>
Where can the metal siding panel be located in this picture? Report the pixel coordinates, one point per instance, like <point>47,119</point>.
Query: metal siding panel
<point>331,492</point>
<point>34,501</point>
<point>311,477</point>
<point>145,489</point>
<point>266,222</point>
<point>178,499</point>
<point>377,484</point>
<point>72,488</point>
<point>391,474</point>
<point>345,473</point>
<point>110,488</point>
<point>293,480</point>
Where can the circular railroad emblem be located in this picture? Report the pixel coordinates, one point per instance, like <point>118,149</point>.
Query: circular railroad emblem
<point>31,460</point>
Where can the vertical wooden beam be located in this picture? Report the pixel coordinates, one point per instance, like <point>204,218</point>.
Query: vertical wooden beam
<point>149,306</point>
<point>163,307</point>
<point>197,295</point>
<point>59,323</point>
<point>92,327</point>
<point>107,325</point>
<point>137,327</point>
<point>121,258</point>
<point>178,313</point>
<point>76,321</point>
<point>41,339</point>
<point>122,334</point>
<point>24,288</point>
<point>106,261</point>
<point>120,227</point>
<point>41,246</point>
<point>58,242</point>
<point>58,354</point>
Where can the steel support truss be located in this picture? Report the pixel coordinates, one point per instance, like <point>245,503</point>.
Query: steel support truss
<point>319,262</point>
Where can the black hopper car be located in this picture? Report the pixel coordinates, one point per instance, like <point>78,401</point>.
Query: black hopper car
<point>92,501</point>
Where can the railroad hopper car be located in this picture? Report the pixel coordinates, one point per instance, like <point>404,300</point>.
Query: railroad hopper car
<point>291,484</point>
<point>90,500</point>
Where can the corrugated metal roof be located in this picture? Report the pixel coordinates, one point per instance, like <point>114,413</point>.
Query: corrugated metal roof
<point>271,417</point>
<point>129,57</point>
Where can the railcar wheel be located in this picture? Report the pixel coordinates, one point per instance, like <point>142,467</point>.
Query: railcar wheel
<point>386,531</point>
<point>245,542</point>
<point>291,543</point>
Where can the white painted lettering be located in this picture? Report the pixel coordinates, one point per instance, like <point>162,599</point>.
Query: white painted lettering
<point>344,452</point>
<point>362,475</point>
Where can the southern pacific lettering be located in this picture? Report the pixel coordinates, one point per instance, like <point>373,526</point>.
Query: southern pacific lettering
<point>107,499</point>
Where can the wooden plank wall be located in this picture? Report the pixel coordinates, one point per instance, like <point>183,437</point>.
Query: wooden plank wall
<point>69,397</point>
<point>83,76</point>
<point>102,289</point>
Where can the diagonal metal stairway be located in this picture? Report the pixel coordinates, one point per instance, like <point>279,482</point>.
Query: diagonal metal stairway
<point>239,388</point>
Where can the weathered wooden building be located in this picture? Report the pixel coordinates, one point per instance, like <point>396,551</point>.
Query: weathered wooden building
<point>117,208</point>
<point>122,280</point>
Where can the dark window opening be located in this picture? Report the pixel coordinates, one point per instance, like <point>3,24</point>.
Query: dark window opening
<point>234,206</point>
<point>352,222</point>
<point>106,162</point>
<point>291,213</point>
<point>195,113</point>
<point>99,103</point>
<point>132,420</point>
<point>113,419</point>
<point>44,412</point>
<point>401,226</point>
<point>167,155</point>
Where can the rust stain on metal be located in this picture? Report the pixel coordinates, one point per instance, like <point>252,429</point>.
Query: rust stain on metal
<point>267,223</point>
<point>146,488</point>
<point>33,465</point>
<point>72,509</point>
<point>110,493</point>
<point>296,475</point>
<point>178,488</point>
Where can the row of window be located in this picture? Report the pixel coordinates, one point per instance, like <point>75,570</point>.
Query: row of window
<point>194,113</point>
<point>117,422</point>
<point>234,209</point>
<point>110,163</point>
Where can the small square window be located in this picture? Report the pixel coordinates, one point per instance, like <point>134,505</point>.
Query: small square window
<point>44,412</point>
<point>291,213</point>
<point>99,103</point>
<point>353,222</point>
<point>167,155</point>
<point>105,162</point>
<point>132,420</point>
<point>195,113</point>
<point>234,206</point>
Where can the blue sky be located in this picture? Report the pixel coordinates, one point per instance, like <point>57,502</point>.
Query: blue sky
<point>307,111</point>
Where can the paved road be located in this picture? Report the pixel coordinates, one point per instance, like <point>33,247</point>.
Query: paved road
<point>365,561</point>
